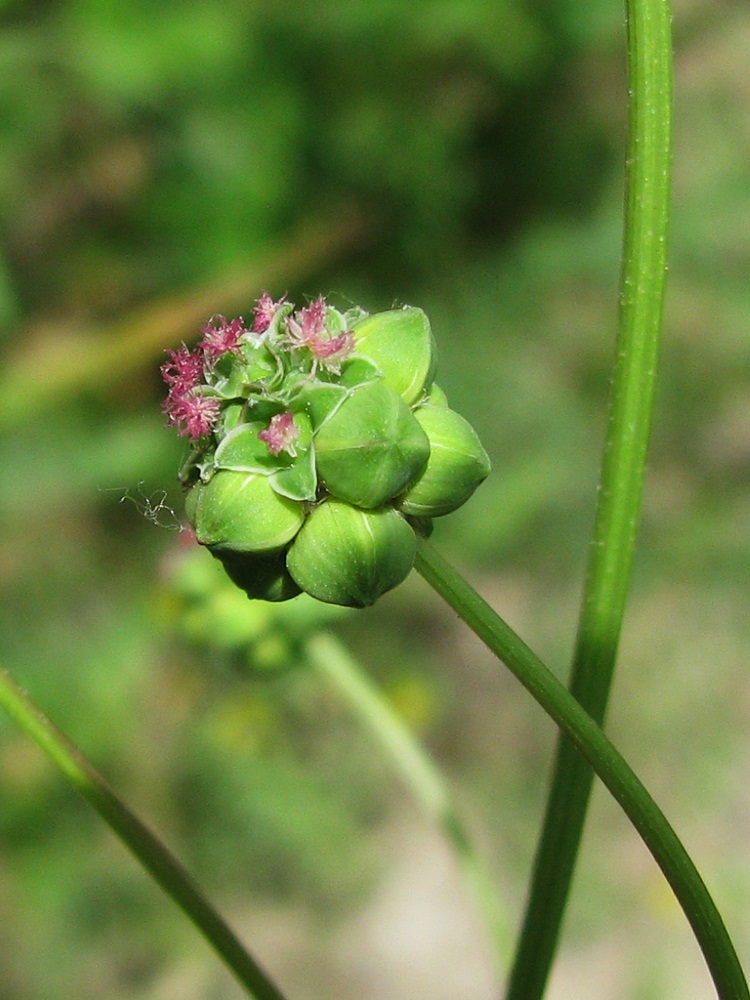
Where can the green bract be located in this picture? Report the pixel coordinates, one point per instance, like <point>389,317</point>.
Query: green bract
<point>371,448</point>
<point>457,464</point>
<point>320,444</point>
<point>348,556</point>
<point>260,576</point>
<point>400,343</point>
<point>242,512</point>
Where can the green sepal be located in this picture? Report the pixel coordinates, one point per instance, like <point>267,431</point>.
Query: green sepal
<point>243,451</point>
<point>457,464</point>
<point>292,475</point>
<point>436,396</point>
<point>262,577</point>
<point>350,557</point>
<point>298,480</point>
<point>320,400</point>
<point>372,447</point>
<point>401,344</point>
<point>241,511</point>
<point>358,371</point>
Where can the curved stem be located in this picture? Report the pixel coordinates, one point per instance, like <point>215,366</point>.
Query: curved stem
<point>642,286</point>
<point>589,740</point>
<point>423,779</point>
<point>147,848</point>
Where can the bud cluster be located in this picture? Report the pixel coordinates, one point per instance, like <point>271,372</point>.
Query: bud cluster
<point>320,444</point>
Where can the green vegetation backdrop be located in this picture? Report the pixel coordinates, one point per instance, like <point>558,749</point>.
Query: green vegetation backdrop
<point>162,163</point>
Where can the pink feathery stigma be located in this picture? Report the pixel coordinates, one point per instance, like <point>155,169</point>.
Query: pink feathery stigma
<point>193,415</point>
<point>335,348</point>
<point>264,312</point>
<point>281,434</point>
<point>307,328</point>
<point>183,371</point>
<point>221,337</point>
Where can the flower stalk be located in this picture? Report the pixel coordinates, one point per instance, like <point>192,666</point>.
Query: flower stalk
<point>142,843</point>
<point>587,737</point>
<point>420,775</point>
<point>642,289</point>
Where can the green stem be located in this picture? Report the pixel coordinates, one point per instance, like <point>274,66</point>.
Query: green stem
<point>146,847</point>
<point>329,657</point>
<point>621,480</point>
<point>588,738</point>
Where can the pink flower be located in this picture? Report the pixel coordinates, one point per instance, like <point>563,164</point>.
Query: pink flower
<point>183,371</point>
<point>307,328</point>
<point>281,434</point>
<point>192,414</point>
<point>221,337</point>
<point>264,312</point>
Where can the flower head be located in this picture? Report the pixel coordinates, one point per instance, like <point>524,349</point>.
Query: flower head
<point>307,328</point>
<point>264,312</point>
<point>183,371</point>
<point>281,434</point>
<point>193,414</point>
<point>221,337</point>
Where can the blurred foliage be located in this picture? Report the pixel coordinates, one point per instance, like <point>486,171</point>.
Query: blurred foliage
<point>159,163</point>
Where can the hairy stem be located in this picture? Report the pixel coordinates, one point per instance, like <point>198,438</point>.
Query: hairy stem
<point>642,285</point>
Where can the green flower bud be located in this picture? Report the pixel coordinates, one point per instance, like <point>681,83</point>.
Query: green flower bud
<point>457,464</point>
<point>400,343</point>
<point>242,512</point>
<point>372,448</point>
<point>262,577</point>
<point>350,557</point>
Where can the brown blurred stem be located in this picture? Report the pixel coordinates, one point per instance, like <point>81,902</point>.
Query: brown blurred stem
<point>48,365</point>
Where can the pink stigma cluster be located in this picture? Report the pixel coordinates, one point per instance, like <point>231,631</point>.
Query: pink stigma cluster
<point>307,328</point>
<point>264,312</point>
<point>220,337</point>
<point>187,406</point>
<point>194,401</point>
<point>281,434</point>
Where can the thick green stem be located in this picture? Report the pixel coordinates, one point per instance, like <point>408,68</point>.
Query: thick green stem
<point>589,740</point>
<point>621,481</point>
<point>420,775</point>
<point>146,847</point>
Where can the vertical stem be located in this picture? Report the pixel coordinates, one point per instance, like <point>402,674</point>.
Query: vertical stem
<point>621,481</point>
<point>587,736</point>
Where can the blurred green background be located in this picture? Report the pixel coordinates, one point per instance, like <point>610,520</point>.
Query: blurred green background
<point>161,163</point>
